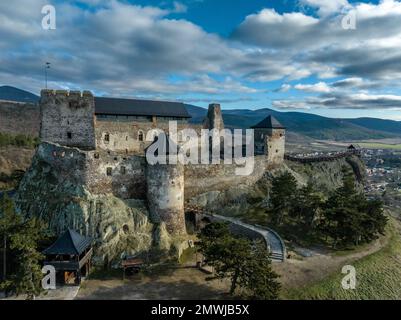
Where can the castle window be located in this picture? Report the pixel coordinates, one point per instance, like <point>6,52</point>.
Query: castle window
<point>99,207</point>
<point>115,159</point>
<point>69,135</point>
<point>107,138</point>
<point>109,170</point>
<point>123,170</point>
<point>140,136</point>
<point>126,138</point>
<point>276,150</point>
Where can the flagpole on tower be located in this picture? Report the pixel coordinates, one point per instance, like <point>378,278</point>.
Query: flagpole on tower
<point>47,66</point>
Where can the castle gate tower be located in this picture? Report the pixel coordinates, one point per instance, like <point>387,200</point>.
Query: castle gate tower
<point>270,140</point>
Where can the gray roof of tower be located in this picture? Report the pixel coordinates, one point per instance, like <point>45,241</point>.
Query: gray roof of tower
<point>117,106</point>
<point>269,122</point>
<point>69,243</point>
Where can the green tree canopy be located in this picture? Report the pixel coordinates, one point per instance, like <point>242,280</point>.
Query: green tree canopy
<point>239,260</point>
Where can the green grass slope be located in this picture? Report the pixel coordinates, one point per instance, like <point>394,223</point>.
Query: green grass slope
<point>378,276</point>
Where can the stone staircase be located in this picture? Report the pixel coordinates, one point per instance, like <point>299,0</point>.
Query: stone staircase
<point>273,241</point>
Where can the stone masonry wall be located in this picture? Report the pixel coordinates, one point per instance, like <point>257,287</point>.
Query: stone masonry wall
<point>68,118</point>
<point>165,196</point>
<point>276,146</point>
<point>201,178</point>
<point>124,135</point>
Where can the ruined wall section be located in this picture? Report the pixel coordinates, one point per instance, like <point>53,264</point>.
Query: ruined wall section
<point>67,118</point>
<point>99,172</point>
<point>214,118</point>
<point>121,175</point>
<point>202,178</point>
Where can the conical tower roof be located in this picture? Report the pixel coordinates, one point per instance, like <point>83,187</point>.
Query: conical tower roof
<point>269,122</point>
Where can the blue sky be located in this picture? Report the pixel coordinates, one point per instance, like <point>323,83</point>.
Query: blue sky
<point>286,55</point>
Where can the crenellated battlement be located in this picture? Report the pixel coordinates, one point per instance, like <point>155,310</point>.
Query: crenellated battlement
<point>68,118</point>
<point>66,93</point>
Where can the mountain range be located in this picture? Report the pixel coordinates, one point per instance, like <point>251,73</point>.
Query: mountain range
<point>305,124</point>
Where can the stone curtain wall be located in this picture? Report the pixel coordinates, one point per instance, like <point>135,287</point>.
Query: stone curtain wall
<point>68,118</point>
<point>123,134</point>
<point>200,179</point>
<point>123,176</point>
<point>90,170</point>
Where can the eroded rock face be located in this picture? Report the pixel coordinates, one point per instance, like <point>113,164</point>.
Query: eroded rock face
<point>118,227</point>
<point>63,188</point>
<point>237,201</point>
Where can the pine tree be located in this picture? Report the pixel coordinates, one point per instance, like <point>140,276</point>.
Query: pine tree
<point>23,237</point>
<point>350,218</point>
<point>9,223</point>
<point>260,279</point>
<point>307,205</point>
<point>237,259</point>
<point>29,275</point>
<point>282,197</point>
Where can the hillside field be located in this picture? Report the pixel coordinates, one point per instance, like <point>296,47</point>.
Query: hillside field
<point>378,276</point>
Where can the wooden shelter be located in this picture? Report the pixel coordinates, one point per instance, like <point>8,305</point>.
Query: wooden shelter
<point>71,256</point>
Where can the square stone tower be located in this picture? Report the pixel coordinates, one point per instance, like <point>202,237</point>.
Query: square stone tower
<point>68,118</point>
<point>270,139</point>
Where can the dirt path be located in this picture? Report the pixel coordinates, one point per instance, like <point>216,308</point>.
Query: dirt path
<point>297,273</point>
<point>175,284</point>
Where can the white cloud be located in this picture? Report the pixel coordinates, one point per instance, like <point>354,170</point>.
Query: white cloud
<point>370,51</point>
<point>320,87</point>
<point>326,7</point>
<point>118,48</point>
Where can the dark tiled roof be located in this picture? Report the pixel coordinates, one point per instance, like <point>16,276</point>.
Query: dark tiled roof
<point>269,122</point>
<point>114,106</point>
<point>69,243</point>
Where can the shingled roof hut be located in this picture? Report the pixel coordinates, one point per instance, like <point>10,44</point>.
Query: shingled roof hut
<point>70,255</point>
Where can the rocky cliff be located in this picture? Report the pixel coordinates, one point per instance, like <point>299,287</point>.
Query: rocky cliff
<point>241,199</point>
<point>63,200</point>
<point>56,189</point>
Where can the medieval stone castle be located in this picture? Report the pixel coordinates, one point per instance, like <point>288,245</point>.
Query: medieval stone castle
<point>100,143</point>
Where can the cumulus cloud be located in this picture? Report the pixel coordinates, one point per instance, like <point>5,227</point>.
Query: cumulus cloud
<point>317,87</point>
<point>362,101</point>
<point>118,48</point>
<point>371,51</point>
<point>123,48</point>
<point>325,7</point>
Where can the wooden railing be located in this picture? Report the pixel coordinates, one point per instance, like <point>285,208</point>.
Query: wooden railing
<point>68,265</point>
<point>322,158</point>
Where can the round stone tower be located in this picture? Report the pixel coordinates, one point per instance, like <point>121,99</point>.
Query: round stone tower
<point>165,195</point>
